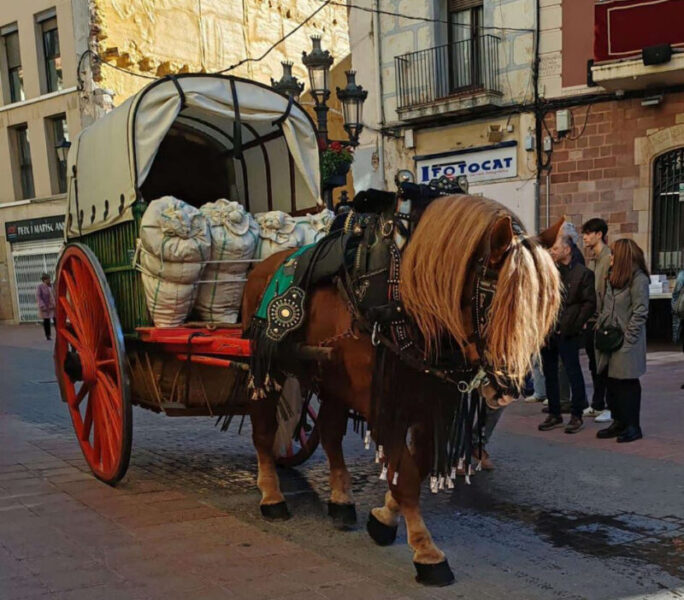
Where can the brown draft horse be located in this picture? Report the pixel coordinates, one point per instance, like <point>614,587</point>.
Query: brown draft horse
<point>437,278</point>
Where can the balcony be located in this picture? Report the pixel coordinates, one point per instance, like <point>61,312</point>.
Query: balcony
<point>637,44</point>
<point>449,79</point>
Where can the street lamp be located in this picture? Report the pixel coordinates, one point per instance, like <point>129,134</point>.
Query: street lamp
<point>352,98</point>
<point>288,84</point>
<point>318,63</point>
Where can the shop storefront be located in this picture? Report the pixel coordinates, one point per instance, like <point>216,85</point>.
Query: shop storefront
<point>35,246</point>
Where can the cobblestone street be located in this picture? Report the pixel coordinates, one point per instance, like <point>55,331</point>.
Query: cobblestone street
<point>562,516</point>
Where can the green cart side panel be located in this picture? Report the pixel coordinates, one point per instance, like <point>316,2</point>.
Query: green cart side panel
<point>115,248</point>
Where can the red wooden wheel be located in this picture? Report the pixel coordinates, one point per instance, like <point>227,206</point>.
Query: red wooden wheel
<point>306,437</point>
<point>89,362</point>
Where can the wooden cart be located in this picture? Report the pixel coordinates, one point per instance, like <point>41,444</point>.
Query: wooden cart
<point>198,137</point>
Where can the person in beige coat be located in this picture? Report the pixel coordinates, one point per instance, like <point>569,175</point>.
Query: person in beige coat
<point>625,305</point>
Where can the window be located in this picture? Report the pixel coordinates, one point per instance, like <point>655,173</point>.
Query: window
<point>465,56</point>
<point>668,216</point>
<point>53,60</point>
<point>15,74</point>
<point>24,161</point>
<point>57,133</point>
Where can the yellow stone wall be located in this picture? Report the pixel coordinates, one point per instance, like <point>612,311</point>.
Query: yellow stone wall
<point>158,37</point>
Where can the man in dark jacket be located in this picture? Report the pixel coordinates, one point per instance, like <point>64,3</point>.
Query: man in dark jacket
<point>579,304</point>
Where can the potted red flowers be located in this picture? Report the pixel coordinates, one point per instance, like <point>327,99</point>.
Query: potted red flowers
<point>335,162</point>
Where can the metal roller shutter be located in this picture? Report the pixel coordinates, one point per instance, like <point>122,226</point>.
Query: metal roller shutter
<point>31,260</point>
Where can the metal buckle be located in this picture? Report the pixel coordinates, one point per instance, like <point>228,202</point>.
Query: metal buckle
<point>385,230</point>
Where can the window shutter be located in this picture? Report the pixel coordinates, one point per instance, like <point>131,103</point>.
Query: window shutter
<point>455,5</point>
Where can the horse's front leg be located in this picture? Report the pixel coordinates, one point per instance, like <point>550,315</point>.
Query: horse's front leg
<point>332,423</point>
<point>264,426</point>
<point>431,565</point>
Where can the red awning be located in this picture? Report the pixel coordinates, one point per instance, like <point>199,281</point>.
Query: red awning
<point>622,28</point>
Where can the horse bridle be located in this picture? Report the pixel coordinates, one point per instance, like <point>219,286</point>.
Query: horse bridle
<point>484,288</point>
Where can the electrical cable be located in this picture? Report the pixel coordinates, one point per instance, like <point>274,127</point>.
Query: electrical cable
<point>424,19</point>
<point>280,41</point>
<point>586,120</point>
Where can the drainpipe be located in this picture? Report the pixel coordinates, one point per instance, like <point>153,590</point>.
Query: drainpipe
<point>548,198</point>
<point>379,101</point>
<point>537,123</point>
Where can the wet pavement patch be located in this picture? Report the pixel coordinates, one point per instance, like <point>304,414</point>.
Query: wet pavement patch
<point>657,541</point>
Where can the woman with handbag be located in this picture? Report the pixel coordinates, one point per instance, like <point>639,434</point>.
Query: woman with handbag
<point>621,339</point>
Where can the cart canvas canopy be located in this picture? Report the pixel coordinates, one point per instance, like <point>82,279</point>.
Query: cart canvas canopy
<point>198,137</point>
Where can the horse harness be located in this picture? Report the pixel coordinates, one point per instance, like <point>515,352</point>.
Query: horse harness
<point>366,282</point>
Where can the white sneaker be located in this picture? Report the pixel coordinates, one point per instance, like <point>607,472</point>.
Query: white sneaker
<point>546,402</point>
<point>604,417</point>
<point>533,398</point>
<point>590,411</point>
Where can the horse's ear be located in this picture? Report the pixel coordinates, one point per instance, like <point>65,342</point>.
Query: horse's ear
<point>501,238</point>
<point>547,238</point>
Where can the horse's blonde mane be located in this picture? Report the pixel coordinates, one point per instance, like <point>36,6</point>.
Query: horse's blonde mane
<point>435,270</point>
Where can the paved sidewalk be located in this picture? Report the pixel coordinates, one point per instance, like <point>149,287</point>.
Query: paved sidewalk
<point>64,535</point>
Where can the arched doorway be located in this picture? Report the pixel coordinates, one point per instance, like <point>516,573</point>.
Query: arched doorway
<point>668,213</point>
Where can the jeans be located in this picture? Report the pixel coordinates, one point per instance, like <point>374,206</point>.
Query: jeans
<point>624,397</point>
<point>538,379</point>
<point>567,350</point>
<point>46,326</point>
<point>599,400</point>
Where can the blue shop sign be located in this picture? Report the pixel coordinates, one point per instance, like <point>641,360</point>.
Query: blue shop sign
<point>479,165</point>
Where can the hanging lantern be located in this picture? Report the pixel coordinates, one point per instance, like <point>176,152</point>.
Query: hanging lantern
<point>352,98</point>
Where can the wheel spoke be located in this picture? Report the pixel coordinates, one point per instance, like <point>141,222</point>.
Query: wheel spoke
<point>69,310</point>
<point>85,388</point>
<point>76,343</point>
<point>87,422</point>
<point>107,362</point>
<point>111,403</point>
<point>303,440</point>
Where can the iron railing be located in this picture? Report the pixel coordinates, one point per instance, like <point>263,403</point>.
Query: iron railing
<point>429,75</point>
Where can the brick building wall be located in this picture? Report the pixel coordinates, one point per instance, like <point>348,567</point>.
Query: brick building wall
<point>607,170</point>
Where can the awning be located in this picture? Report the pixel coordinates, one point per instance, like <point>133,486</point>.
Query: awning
<point>271,141</point>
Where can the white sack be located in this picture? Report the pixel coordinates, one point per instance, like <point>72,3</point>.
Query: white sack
<point>176,272</point>
<point>169,303</point>
<point>173,230</point>
<point>174,243</point>
<point>314,227</point>
<point>234,236</point>
<point>277,231</point>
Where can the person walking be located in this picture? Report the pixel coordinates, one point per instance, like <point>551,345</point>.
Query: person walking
<point>579,304</point>
<point>594,233</point>
<point>625,310</point>
<point>45,297</point>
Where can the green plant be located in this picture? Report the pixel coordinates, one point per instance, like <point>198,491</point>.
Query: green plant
<point>334,158</point>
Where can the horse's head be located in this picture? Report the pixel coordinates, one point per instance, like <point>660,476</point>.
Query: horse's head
<point>471,274</point>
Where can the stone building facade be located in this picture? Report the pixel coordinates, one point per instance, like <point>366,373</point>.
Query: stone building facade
<point>622,158</point>
<point>446,90</point>
<point>152,39</point>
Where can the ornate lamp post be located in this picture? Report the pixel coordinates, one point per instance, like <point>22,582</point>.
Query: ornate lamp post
<point>352,97</point>
<point>318,63</point>
<point>288,83</point>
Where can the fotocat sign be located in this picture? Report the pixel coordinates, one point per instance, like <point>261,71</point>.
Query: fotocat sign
<point>479,165</point>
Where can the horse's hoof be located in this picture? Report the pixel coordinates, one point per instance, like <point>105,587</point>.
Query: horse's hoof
<point>275,512</point>
<point>383,535</point>
<point>437,575</point>
<point>343,515</point>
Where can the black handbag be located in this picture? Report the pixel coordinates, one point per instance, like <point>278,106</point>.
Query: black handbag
<point>609,338</point>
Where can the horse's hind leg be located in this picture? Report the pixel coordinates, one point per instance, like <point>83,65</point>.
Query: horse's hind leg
<point>264,426</point>
<point>332,422</point>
